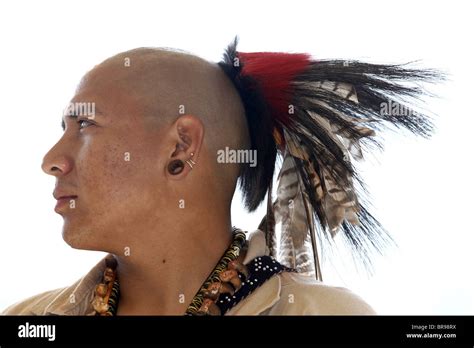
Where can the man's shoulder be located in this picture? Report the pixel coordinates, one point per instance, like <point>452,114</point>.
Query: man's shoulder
<point>303,295</point>
<point>70,300</point>
<point>35,305</point>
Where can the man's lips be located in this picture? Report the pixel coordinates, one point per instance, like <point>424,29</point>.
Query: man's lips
<point>64,196</point>
<point>64,199</point>
<point>58,194</point>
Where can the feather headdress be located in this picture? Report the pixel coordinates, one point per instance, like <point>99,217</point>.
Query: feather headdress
<point>319,116</point>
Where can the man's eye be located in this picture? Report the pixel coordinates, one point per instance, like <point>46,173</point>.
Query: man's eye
<point>84,123</point>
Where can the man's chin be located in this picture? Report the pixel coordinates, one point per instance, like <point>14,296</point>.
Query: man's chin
<point>78,238</point>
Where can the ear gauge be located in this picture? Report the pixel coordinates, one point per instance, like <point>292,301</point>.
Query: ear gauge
<point>176,166</point>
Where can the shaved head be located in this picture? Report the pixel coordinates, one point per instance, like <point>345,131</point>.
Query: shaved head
<point>166,84</point>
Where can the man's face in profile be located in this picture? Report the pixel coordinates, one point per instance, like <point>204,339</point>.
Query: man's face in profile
<point>105,164</point>
<point>112,166</point>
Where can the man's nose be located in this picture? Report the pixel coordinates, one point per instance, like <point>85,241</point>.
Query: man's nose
<point>56,163</point>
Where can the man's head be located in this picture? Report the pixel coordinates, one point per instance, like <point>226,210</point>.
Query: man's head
<point>152,107</point>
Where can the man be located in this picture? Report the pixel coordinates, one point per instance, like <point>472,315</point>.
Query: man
<point>138,178</point>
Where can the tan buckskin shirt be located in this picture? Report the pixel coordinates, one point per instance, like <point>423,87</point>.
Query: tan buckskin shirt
<point>283,294</point>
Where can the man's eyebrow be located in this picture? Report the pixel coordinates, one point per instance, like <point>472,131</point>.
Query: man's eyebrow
<point>74,114</point>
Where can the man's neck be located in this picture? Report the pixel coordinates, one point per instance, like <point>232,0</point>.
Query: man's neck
<point>163,280</point>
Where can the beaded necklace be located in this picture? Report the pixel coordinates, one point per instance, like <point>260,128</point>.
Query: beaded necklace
<point>229,282</point>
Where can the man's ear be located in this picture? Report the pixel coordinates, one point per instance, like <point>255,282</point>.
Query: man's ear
<point>187,134</point>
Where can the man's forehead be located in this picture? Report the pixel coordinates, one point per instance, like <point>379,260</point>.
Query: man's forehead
<point>102,91</point>
<point>144,79</point>
<point>129,72</point>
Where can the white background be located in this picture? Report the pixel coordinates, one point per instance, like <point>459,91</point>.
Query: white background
<point>421,188</point>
